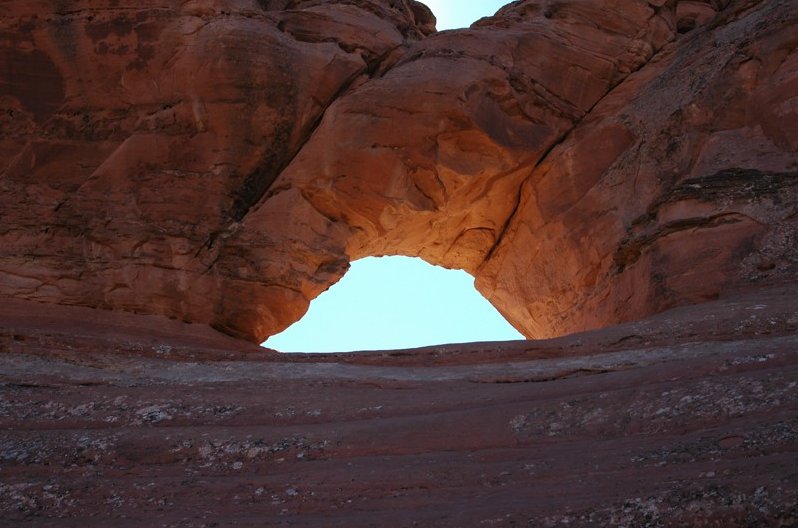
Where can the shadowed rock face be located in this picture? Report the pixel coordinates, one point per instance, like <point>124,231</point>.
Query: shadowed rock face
<point>221,162</point>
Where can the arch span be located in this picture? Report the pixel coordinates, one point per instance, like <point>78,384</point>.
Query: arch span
<point>588,162</point>
<point>554,186</point>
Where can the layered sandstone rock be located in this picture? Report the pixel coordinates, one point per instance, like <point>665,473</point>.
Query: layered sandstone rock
<point>688,418</point>
<point>222,162</point>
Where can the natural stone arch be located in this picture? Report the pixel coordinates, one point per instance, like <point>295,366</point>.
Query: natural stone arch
<point>555,151</point>
<point>440,178</point>
<point>522,174</point>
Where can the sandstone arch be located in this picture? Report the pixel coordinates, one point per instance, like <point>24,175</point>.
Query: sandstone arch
<point>222,161</point>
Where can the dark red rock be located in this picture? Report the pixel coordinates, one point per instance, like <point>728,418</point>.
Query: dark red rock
<point>135,138</point>
<point>684,419</point>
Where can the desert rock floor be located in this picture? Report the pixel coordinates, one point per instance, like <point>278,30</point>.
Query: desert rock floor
<point>689,418</point>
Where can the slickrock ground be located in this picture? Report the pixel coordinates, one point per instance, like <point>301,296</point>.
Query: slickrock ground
<point>689,418</point>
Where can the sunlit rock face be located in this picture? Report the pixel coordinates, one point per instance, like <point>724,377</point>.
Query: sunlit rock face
<point>680,184</point>
<point>222,162</point>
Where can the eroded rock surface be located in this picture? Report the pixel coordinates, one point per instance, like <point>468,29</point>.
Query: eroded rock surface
<point>679,184</point>
<point>136,135</point>
<point>685,419</point>
<point>221,162</point>
<point>211,162</point>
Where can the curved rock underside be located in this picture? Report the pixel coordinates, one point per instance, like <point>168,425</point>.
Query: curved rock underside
<point>222,162</point>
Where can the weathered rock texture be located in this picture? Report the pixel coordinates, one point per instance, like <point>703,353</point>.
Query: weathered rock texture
<point>688,419</point>
<point>222,161</point>
<point>137,135</point>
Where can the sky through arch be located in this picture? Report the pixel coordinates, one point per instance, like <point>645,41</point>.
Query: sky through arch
<point>395,302</point>
<point>453,14</point>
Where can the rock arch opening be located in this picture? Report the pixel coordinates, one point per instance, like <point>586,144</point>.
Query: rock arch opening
<point>457,14</point>
<point>585,161</point>
<point>395,302</point>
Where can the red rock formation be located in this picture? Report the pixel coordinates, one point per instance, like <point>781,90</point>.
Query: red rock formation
<point>680,183</point>
<point>135,137</point>
<point>222,162</point>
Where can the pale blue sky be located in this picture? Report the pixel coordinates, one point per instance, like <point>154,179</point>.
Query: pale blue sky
<point>401,302</point>
<point>395,302</point>
<point>453,14</point>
